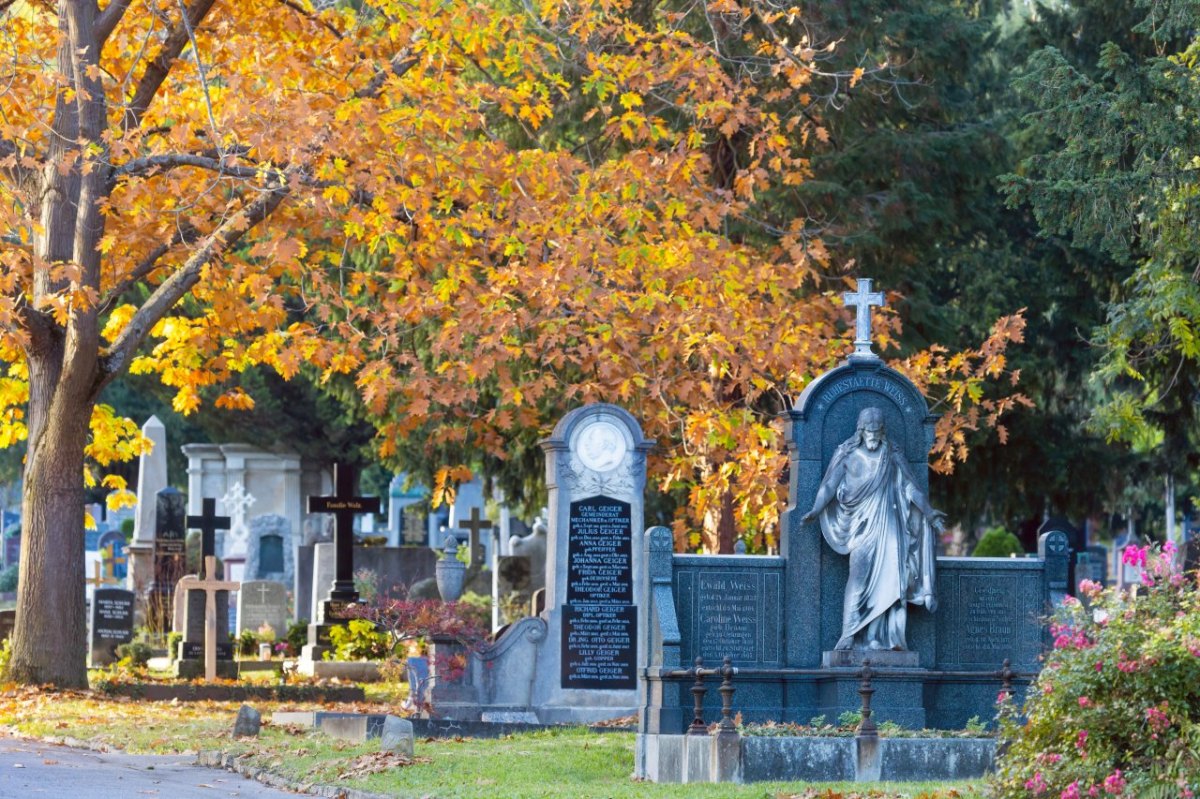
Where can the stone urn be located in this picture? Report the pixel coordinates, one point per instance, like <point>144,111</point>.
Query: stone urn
<point>451,573</point>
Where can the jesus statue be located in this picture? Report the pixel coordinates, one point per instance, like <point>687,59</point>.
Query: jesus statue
<point>872,509</point>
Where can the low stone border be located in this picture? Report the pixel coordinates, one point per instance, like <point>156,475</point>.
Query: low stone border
<point>229,762</point>
<point>190,692</point>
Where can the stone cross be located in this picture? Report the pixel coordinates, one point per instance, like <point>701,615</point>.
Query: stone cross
<point>208,522</point>
<point>237,502</point>
<point>863,300</point>
<point>210,586</point>
<point>474,526</point>
<point>344,506</point>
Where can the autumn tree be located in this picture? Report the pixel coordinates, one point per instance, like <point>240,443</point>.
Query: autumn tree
<point>386,191</point>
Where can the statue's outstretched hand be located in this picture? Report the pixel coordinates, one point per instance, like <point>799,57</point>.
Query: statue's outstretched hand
<point>809,517</point>
<point>937,520</point>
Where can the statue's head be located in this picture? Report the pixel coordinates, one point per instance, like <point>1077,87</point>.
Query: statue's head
<point>870,427</point>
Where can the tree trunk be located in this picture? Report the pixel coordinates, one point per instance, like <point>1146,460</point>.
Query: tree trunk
<point>49,641</point>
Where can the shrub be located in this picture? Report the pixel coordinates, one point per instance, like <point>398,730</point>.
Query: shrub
<point>247,643</point>
<point>8,578</point>
<point>405,620</point>
<point>997,543</point>
<point>173,641</point>
<point>135,653</point>
<point>1115,712</point>
<point>297,637</point>
<point>5,657</point>
<point>359,640</point>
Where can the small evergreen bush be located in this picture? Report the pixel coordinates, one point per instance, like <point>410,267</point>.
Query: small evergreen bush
<point>1115,712</point>
<point>997,542</point>
<point>8,578</point>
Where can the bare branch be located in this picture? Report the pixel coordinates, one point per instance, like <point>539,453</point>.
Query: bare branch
<point>164,163</point>
<point>117,358</point>
<point>304,12</point>
<point>106,23</point>
<point>401,63</point>
<point>160,66</point>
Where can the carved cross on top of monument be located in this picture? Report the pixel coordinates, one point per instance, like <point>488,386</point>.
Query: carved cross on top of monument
<point>208,522</point>
<point>863,299</point>
<point>344,506</point>
<point>474,526</point>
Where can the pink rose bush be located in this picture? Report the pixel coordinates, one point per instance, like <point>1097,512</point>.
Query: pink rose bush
<point>1117,715</point>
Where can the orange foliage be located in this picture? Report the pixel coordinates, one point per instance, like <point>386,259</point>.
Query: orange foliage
<point>485,215</point>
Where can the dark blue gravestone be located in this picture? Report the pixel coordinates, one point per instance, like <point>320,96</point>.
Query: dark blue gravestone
<point>854,434</point>
<point>1076,543</point>
<point>112,623</point>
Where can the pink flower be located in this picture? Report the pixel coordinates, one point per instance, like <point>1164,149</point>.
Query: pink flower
<point>1157,718</point>
<point>1071,791</point>
<point>1147,579</point>
<point>1090,588</point>
<point>1094,791</point>
<point>1084,701</point>
<point>1099,665</point>
<point>1081,742</point>
<point>1036,785</point>
<point>1133,555</point>
<point>1114,783</point>
<point>1169,548</point>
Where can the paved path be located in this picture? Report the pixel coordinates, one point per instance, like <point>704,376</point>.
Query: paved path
<point>45,771</point>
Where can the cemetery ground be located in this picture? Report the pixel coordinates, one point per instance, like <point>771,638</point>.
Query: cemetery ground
<point>567,762</point>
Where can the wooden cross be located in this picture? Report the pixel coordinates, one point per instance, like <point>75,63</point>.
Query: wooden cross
<point>344,506</point>
<point>474,526</point>
<point>863,300</point>
<point>208,522</point>
<point>98,580</point>
<point>210,586</point>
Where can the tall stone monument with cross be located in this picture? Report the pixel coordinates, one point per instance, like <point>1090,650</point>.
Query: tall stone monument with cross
<point>857,579</point>
<point>343,506</point>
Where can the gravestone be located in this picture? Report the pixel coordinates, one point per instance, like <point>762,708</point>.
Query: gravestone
<point>1076,543</point>
<point>8,620</point>
<point>169,552</point>
<point>144,554</point>
<point>344,506</point>
<point>324,568</point>
<point>1099,564</point>
<point>91,540</point>
<point>199,601</point>
<point>781,618</point>
<point>578,661</point>
<point>513,593</point>
<point>112,624</point>
<point>262,602</point>
<point>415,526</point>
<point>533,547</point>
<point>179,602</point>
<point>270,550</point>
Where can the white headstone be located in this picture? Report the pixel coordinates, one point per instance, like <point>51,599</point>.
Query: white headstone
<point>259,602</point>
<point>324,570</point>
<point>152,478</point>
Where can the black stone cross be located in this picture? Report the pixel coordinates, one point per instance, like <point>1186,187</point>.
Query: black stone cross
<point>474,526</point>
<point>863,300</point>
<point>208,522</point>
<point>344,506</point>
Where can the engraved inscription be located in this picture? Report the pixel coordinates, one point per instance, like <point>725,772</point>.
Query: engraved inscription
<point>599,622</point>
<point>887,387</point>
<point>728,607</point>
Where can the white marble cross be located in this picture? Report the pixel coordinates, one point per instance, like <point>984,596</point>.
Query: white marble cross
<point>863,299</point>
<point>237,501</point>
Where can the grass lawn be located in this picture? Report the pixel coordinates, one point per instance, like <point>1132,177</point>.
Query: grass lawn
<point>558,763</point>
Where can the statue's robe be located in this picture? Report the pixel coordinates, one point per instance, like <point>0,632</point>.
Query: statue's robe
<point>877,522</point>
